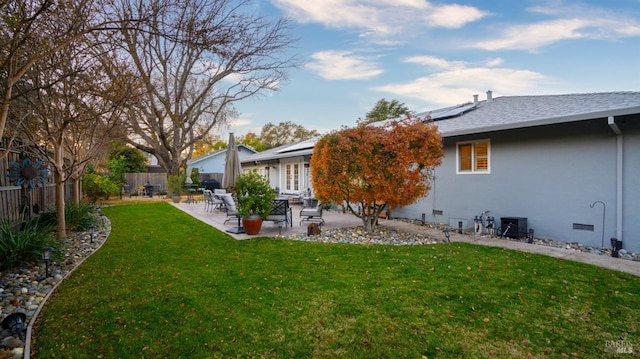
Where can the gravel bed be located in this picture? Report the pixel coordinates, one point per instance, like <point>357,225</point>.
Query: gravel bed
<point>623,254</point>
<point>24,290</point>
<point>357,235</point>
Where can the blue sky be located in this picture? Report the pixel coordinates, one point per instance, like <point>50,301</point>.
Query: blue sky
<point>433,54</point>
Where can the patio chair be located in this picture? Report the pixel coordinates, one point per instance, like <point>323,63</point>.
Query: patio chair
<point>281,213</point>
<point>209,203</point>
<point>230,207</point>
<point>312,211</point>
<point>218,203</point>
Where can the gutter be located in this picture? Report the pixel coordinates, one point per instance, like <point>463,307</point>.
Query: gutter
<point>619,173</point>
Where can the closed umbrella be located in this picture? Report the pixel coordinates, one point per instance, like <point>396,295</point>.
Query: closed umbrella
<point>232,168</point>
<point>232,171</point>
<point>189,184</point>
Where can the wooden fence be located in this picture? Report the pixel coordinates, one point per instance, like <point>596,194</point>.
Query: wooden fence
<point>136,181</point>
<point>12,198</point>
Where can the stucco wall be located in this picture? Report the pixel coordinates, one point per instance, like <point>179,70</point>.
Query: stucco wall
<point>550,175</point>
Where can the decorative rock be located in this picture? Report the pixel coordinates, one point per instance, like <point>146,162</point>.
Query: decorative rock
<point>551,242</point>
<point>356,235</point>
<point>24,289</point>
<point>12,343</point>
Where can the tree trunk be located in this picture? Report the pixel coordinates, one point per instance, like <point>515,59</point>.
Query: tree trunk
<point>60,205</point>
<point>77,192</point>
<point>369,222</point>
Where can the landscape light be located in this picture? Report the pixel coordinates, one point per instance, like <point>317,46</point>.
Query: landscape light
<point>92,232</point>
<point>46,256</point>
<point>15,322</point>
<point>446,234</point>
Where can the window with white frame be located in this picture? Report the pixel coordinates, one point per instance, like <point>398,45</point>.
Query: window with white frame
<point>473,157</point>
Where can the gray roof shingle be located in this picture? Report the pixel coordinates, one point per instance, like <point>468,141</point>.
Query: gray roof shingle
<point>511,112</point>
<point>300,148</point>
<point>501,113</point>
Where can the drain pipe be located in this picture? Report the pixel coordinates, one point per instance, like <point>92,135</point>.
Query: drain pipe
<point>619,173</point>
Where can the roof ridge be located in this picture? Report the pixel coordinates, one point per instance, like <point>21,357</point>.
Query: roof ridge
<point>574,94</point>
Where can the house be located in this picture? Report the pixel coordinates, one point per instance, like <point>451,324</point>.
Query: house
<point>560,165</point>
<point>564,164</point>
<point>213,162</point>
<point>286,167</point>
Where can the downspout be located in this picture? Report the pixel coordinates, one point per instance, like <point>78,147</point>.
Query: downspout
<point>619,173</point>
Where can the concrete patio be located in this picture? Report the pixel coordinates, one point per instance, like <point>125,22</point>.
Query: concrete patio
<point>336,219</point>
<point>216,218</point>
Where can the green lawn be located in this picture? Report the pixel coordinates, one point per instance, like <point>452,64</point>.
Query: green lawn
<point>166,285</point>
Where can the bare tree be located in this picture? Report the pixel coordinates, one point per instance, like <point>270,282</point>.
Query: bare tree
<point>194,60</point>
<point>33,30</point>
<point>75,109</point>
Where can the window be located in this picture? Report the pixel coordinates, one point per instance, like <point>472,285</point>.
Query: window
<point>473,157</point>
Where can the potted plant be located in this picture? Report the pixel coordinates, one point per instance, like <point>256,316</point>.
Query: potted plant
<point>175,187</point>
<point>255,200</point>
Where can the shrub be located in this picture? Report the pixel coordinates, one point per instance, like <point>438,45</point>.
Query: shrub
<point>22,242</point>
<point>77,216</point>
<point>175,184</point>
<point>96,186</point>
<point>255,195</point>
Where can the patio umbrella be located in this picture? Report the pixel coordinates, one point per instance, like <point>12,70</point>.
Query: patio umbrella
<point>188,180</point>
<point>189,184</point>
<point>232,168</point>
<point>232,171</point>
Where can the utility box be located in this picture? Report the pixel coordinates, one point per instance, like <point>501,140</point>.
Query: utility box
<point>518,227</point>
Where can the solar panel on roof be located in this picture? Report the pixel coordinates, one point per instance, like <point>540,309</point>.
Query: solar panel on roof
<point>306,144</point>
<point>448,112</point>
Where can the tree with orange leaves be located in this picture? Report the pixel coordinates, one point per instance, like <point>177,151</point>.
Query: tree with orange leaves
<point>366,167</point>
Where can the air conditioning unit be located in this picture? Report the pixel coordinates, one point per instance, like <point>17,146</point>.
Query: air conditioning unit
<point>518,228</point>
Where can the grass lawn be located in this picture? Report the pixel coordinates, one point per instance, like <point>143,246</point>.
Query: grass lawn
<point>166,285</point>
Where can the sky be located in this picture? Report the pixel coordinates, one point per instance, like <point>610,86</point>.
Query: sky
<point>435,54</point>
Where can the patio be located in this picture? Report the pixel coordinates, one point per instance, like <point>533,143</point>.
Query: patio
<point>216,218</point>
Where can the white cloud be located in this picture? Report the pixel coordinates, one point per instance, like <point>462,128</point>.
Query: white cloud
<point>494,62</point>
<point>459,83</point>
<point>380,19</point>
<point>533,36</point>
<point>434,62</point>
<point>241,122</point>
<point>453,16</point>
<point>343,65</point>
<point>566,23</point>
